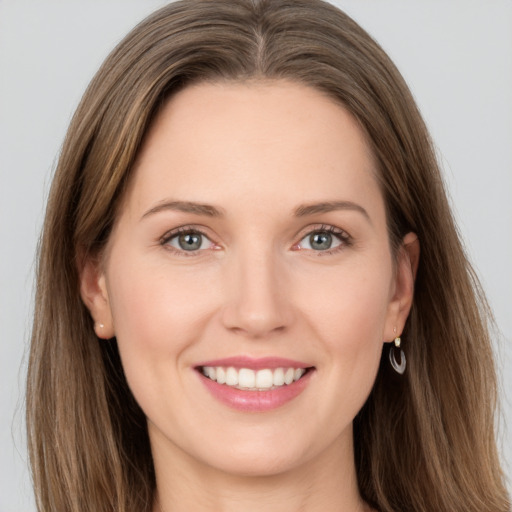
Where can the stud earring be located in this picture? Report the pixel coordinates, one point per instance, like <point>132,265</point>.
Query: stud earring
<point>398,367</point>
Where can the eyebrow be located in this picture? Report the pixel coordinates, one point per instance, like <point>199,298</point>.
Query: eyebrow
<point>211,211</point>
<point>186,207</point>
<point>330,206</point>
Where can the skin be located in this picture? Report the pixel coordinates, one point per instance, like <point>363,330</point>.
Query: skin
<point>256,152</point>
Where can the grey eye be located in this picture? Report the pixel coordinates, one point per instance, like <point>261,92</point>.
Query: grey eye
<point>320,241</point>
<point>192,241</point>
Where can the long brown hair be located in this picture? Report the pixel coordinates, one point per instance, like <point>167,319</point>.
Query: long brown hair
<point>424,441</point>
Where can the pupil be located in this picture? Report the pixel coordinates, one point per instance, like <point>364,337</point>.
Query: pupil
<point>190,241</point>
<point>320,241</point>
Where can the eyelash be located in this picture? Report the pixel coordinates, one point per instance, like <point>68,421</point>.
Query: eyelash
<point>183,230</point>
<point>341,235</point>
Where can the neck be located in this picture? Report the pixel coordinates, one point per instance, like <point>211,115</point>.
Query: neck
<point>326,483</point>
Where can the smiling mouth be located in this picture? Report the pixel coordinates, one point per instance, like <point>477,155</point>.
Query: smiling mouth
<point>247,379</point>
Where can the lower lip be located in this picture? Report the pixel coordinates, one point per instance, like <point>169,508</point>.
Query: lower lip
<point>256,401</point>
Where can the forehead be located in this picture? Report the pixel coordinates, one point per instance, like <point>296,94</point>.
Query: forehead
<point>277,140</point>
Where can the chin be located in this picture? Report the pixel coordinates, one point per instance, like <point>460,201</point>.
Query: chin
<point>259,467</point>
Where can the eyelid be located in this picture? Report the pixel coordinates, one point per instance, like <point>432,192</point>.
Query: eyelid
<point>181,230</point>
<point>344,237</point>
<point>313,228</point>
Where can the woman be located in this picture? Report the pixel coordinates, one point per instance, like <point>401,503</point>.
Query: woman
<point>232,309</point>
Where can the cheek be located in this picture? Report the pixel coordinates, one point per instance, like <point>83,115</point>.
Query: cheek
<point>352,307</point>
<point>157,311</point>
<point>158,314</point>
<point>349,317</point>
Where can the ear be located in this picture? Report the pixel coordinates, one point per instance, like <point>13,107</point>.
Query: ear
<point>93,289</point>
<point>406,268</point>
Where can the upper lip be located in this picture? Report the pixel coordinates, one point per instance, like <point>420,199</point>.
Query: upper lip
<point>255,363</point>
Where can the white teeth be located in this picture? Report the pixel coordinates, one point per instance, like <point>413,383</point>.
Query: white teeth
<point>288,376</point>
<point>221,375</point>
<point>264,379</point>
<point>245,378</point>
<point>231,377</point>
<point>278,377</point>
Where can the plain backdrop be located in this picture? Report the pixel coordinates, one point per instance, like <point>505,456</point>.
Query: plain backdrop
<point>455,55</point>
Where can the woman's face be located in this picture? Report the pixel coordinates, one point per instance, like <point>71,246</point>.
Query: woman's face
<point>252,239</point>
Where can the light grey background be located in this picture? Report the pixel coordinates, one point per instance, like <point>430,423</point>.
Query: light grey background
<point>455,55</point>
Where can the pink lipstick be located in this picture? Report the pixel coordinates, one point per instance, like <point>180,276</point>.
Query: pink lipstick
<point>254,385</point>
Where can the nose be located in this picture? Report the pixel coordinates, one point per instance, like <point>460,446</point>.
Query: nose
<point>257,304</point>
